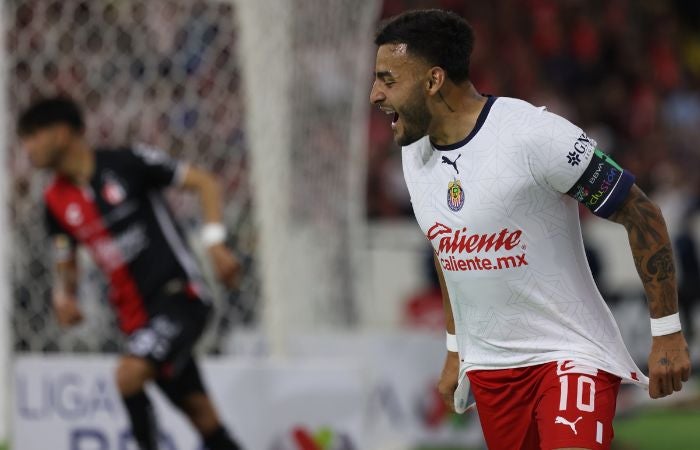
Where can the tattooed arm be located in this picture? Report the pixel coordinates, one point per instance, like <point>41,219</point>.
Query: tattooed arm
<point>669,360</point>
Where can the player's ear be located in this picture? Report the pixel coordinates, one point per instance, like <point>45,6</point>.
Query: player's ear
<point>435,81</point>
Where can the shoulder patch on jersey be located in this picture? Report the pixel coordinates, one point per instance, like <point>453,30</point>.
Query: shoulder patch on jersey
<point>455,195</point>
<point>583,146</point>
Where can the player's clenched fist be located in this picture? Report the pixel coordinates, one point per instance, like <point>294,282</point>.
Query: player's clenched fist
<point>669,364</point>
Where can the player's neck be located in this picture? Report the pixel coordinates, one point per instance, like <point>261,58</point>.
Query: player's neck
<point>78,163</point>
<point>456,115</point>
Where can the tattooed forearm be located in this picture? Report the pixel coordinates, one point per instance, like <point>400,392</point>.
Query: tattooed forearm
<point>660,264</point>
<point>639,263</point>
<point>642,219</point>
<point>651,249</point>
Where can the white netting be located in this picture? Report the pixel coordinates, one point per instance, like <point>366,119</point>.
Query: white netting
<point>168,72</point>
<point>162,72</point>
<point>306,67</point>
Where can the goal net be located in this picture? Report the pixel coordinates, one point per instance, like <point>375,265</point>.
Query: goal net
<point>306,66</point>
<point>270,96</point>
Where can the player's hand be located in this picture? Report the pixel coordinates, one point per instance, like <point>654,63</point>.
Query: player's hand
<point>449,380</point>
<point>226,265</point>
<point>669,364</point>
<point>67,310</point>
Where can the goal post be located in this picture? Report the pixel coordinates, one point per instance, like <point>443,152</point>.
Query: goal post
<point>266,54</point>
<point>6,300</point>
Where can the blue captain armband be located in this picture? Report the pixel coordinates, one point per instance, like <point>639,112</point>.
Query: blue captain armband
<point>603,186</point>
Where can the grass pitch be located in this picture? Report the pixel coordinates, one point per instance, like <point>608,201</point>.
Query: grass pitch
<point>651,430</point>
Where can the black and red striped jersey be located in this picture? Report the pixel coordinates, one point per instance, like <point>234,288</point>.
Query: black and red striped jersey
<point>122,218</point>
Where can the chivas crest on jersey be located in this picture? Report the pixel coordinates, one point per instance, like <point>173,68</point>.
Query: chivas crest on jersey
<point>455,195</point>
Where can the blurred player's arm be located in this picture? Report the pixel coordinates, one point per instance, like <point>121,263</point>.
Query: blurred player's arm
<point>159,170</point>
<point>206,186</point>
<point>64,293</point>
<point>449,377</point>
<point>64,289</point>
<point>669,361</point>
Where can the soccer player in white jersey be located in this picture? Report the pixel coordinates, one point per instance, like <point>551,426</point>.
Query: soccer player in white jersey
<point>494,184</point>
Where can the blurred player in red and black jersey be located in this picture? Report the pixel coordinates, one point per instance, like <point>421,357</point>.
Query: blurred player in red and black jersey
<point>111,201</point>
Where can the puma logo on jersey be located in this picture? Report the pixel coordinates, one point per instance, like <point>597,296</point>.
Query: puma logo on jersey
<point>446,160</point>
<point>560,419</point>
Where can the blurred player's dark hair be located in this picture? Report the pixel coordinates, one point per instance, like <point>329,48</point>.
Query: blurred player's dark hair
<point>442,38</point>
<point>50,111</point>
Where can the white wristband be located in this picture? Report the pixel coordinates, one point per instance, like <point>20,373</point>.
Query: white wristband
<point>213,233</point>
<point>665,325</point>
<point>451,342</point>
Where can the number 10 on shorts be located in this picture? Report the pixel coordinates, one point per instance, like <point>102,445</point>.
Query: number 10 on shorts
<point>585,392</point>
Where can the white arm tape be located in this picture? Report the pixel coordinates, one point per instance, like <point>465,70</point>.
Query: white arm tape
<point>451,342</point>
<point>213,233</point>
<point>665,325</point>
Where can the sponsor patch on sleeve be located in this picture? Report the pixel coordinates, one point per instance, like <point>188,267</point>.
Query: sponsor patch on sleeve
<point>603,186</point>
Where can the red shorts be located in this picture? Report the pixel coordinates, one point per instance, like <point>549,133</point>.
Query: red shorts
<point>546,407</point>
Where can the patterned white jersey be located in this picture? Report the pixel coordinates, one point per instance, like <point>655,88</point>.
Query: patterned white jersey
<point>508,238</point>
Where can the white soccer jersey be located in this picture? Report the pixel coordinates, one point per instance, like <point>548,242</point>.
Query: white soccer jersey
<point>508,239</point>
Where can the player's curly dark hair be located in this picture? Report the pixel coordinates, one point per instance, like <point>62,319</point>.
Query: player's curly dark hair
<point>442,38</point>
<point>50,111</point>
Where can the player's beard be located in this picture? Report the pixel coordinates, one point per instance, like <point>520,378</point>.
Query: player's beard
<point>415,118</point>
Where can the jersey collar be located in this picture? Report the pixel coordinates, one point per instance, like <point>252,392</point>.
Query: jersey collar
<point>477,126</point>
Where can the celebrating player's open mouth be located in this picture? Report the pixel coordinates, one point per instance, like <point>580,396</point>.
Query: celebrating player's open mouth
<point>394,117</point>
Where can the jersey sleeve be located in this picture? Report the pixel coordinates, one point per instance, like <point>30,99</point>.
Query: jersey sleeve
<point>563,158</point>
<point>157,168</point>
<point>62,243</point>
<point>558,151</point>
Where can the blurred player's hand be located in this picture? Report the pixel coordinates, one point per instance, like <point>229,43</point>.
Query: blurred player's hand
<point>449,380</point>
<point>226,265</point>
<point>66,308</point>
<point>669,364</point>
